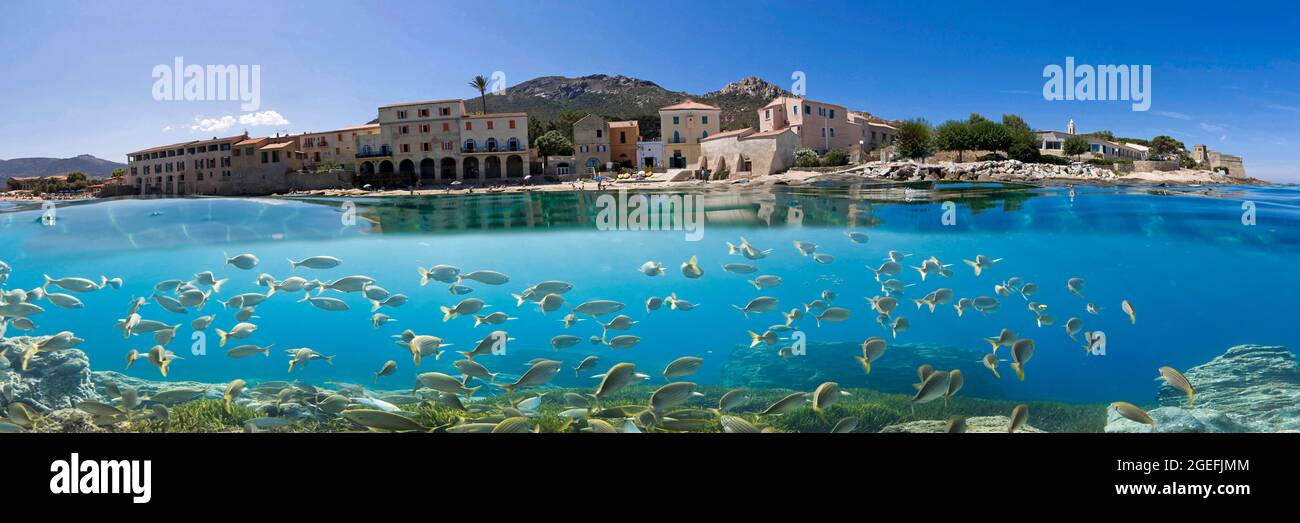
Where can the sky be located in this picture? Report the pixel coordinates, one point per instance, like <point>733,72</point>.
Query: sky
<point>77,77</point>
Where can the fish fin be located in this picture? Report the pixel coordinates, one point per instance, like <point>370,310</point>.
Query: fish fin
<point>375,305</point>
<point>293,265</point>
<point>221,335</point>
<point>216,286</point>
<point>447,313</point>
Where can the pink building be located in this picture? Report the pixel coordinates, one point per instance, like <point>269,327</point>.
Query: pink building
<point>820,126</point>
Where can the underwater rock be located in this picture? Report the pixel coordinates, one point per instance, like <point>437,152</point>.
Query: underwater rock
<point>976,424</point>
<point>762,367</point>
<point>1179,420</point>
<point>53,380</point>
<point>1257,386</point>
<point>148,387</point>
<point>73,420</point>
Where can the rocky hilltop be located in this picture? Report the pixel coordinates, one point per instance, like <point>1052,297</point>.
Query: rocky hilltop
<point>1250,388</point>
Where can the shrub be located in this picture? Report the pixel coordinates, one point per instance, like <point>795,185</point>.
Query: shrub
<point>835,158</point>
<point>806,158</point>
<point>1053,159</point>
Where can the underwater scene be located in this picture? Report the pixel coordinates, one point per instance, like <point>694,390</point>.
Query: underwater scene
<point>921,307</point>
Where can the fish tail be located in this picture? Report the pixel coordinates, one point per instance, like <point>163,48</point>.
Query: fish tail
<point>447,313</point>
<point>163,368</point>
<point>216,286</point>
<point>755,284</point>
<point>866,364</point>
<point>424,276</point>
<point>329,360</point>
<point>919,302</point>
<point>293,265</point>
<point>519,300</point>
<point>305,296</point>
<point>1020,371</point>
<point>376,382</point>
<point>375,305</point>
<point>270,292</point>
<point>221,335</point>
<point>931,304</point>
<point>48,281</point>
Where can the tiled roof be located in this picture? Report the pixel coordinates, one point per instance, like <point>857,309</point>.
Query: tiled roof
<point>629,123</point>
<point>691,105</point>
<point>251,141</point>
<point>495,115</point>
<point>737,132</point>
<point>407,104</point>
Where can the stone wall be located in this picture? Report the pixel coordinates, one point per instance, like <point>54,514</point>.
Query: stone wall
<point>1146,166</point>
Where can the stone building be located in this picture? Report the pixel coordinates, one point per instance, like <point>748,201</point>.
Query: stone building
<point>747,152</point>
<point>820,126</point>
<point>623,138</point>
<point>591,143</point>
<point>1232,165</point>
<point>181,168</point>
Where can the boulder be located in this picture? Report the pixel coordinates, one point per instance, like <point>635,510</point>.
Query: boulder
<point>53,380</point>
<point>1257,386</point>
<point>1176,419</point>
<point>977,424</point>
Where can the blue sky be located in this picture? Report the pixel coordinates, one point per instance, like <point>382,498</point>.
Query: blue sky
<point>77,76</point>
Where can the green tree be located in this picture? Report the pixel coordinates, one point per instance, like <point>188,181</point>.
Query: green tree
<point>119,173</point>
<point>976,118</point>
<point>1074,146</point>
<point>76,177</point>
<point>953,135</point>
<point>480,84</point>
<point>1024,142</point>
<point>1165,146</point>
<point>1016,124</point>
<point>835,158</point>
<point>987,135</point>
<point>553,143</point>
<point>1104,135</point>
<point>913,139</point>
<point>535,128</point>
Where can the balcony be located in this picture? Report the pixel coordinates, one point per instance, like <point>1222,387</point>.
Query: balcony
<point>370,153</point>
<point>494,148</point>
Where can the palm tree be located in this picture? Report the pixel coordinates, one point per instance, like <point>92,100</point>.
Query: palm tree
<point>480,84</point>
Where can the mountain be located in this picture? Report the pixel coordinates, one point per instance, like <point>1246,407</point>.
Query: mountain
<point>22,167</point>
<point>624,97</point>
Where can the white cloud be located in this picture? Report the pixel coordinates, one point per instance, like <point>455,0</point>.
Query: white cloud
<point>224,123</point>
<point>207,125</point>
<point>267,117</point>
<point>1174,115</point>
<point>167,129</point>
<point>1209,127</point>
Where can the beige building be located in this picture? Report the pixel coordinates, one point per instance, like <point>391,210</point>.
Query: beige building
<point>1053,143</point>
<point>337,146</point>
<point>591,143</point>
<point>821,126</point>
<point>181,168</point>
<point>874,133</point>
<point>682,126</point>
<point>747,152</point>
<point>438,141</point>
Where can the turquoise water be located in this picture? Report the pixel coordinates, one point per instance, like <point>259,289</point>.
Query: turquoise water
<point>1201,281</point>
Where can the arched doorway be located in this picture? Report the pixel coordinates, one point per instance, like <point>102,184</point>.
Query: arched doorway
<point>406,172</point>
<point>471,169</point>
<point>448,169</point>
<point>428,170</point>
<point>385,167</point>
<point>492,167</point>
<point>514,166</point>
<point>367,169</point>
<point>592,163</point>
<point>677,161</point>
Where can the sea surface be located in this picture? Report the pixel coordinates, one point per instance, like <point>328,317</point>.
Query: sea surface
<point>1200,275</point>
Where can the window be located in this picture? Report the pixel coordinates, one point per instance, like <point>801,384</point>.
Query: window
<point>807,109</point>
<point>832,132</point>
<point>446,127</point>
<point>795,108</point>
<point>426,146</point>
<point>406,147</point>
<point>705,135</point>
<point>512,124</point>
<point>275,156</point>
<point>444,111</point>
<point>423,113</point>
<point>600,133</point>
<point>832,111</point>
<point>622,137</point>
<point>704,120</point>
<point>406,129</point>
<point>401,115</point>
<point>469,126</point>
<point>767,115</point>
<point>490,124</point>
<point>676,120</point>
<point>677,137</point>
<point>264,157</point>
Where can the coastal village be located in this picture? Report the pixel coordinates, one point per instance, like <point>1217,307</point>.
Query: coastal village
<point>445,145</point>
